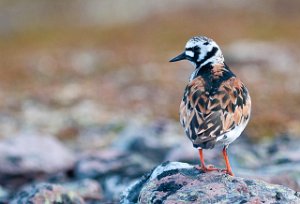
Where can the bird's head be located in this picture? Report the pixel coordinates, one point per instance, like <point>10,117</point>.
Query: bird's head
<point>201,51</point>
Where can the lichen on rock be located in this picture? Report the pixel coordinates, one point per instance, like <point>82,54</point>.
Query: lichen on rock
<point>46,193</point>
<point>175,182</point>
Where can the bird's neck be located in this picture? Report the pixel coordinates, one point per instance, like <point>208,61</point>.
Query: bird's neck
<point>217,58</point>
<point>212,71</point>
<point>214,56</point>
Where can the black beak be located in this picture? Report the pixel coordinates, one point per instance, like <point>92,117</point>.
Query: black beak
<point>182,56</point>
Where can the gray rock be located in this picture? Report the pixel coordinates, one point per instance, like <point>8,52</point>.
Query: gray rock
<point>114,186</point>
<point>174,182</point>
<point>99,164</point>
<point>27,154</point>
<point>152,140</point>
<point>276,161</point>
<point>112,168</point>
<point>46,193</point>
<point>278,151</point>
<point>4,195</point>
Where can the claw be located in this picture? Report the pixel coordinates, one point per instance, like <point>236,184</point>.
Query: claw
<point>207,168</point>
<point>211,168</point>
<point>203,167</point>
<point>226,171</point>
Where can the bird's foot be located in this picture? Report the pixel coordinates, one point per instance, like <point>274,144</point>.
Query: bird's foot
<point>211,167</point>
<point>207,168</point>
<point>226,171</point>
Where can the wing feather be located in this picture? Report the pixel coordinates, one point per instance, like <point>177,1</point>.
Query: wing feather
<point>210,115</point>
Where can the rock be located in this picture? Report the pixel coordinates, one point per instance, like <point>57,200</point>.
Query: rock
<point>31,153</point>
<point>112,168</point>
<point>46,193</point>
<point>153,140</point>
<point>278,151</point>
<point>4,195</point>
<point>114,186</point>
<point>88,189</point>
<point>174,182</point>
<point>98,136</point>
<point>99,164</point>
<point>276,161</point>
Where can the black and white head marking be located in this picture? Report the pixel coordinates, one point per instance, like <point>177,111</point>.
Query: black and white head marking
<point>202,50</point>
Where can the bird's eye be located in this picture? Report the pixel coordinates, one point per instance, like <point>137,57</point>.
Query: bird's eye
<point>196,49</point>
<point>193,49</point>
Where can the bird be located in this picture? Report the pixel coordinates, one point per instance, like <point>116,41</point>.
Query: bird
<point>216,105</point>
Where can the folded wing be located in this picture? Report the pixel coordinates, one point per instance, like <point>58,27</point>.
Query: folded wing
<point>207,114</point>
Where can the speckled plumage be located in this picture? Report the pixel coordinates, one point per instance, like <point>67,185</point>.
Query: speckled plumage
<point>216,105</point>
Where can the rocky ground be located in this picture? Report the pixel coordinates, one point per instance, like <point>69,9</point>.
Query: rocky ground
<point>175,182</point>
<point>34,166</point>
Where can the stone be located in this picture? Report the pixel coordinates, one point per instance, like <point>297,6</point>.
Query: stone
<point>112,168</point>
<point>32,153</point>
<point>46,193</point>
<point>275,161</point>
<point>4,195</point>
<point>175,182</point>
<point>99,164</point>
<point>88,189</point>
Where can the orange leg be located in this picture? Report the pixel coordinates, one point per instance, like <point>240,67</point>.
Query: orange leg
<point>228,169</point>
<point>203,167</point>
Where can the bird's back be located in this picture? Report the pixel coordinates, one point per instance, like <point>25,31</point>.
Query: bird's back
<point>215,107</point>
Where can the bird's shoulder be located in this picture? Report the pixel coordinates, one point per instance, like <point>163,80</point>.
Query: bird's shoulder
<point>202,95</point>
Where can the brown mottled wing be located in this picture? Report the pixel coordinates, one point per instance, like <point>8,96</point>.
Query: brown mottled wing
<point>206,116</point>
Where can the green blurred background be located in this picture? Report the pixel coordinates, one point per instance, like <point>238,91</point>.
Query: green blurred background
<point>69,64</point>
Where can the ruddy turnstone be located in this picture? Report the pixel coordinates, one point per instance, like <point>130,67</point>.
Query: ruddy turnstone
<point>216,105</point>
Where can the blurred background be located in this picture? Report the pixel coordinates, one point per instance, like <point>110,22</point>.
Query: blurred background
<point>110,60</point>
<point>90,73</point>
